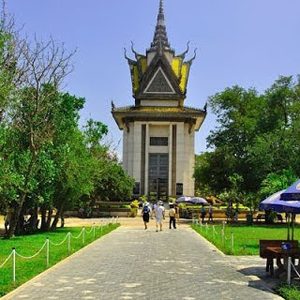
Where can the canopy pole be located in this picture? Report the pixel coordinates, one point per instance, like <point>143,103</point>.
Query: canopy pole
<point>293,225</point>
<point>288,226</point>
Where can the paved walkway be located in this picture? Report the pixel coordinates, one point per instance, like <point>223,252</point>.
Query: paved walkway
<point>131,263</point>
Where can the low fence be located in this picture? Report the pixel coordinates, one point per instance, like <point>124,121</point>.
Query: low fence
<point>191,213</point>
<point>229,242</point>
<point>226,241</point>
<point>46,246</point>
<point>211,229</point>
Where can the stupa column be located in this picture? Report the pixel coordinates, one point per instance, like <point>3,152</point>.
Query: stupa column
<point>137,134</point>
<point>147,159</point>
<point>170,160</point>
<point>180,157</point>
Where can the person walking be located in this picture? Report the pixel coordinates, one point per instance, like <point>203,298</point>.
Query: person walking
<point>203,213</point>
<point>146,214</point>
<point>159,215</point>
<point>172,215</point>
<point>210,214</point>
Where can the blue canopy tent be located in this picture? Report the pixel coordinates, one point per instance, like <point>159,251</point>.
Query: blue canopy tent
<point>275,203</point>
<point>292,193</point>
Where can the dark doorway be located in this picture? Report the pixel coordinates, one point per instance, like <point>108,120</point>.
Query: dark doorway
<point>158,176</point>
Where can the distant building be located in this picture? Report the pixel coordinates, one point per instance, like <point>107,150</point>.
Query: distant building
<point>158,131</point>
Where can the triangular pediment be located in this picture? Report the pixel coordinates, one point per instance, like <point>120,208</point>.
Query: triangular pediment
<point>159,81</point>
<point>159,84</point>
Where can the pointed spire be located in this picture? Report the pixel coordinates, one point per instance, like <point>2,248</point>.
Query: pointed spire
<point>160,40</point>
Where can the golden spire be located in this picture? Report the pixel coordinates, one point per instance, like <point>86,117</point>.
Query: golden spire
<point>160,40</point>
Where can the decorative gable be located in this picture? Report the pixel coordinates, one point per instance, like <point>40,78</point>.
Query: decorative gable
<point>159,84</point>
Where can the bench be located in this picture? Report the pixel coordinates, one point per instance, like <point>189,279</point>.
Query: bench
<point>264,253</point>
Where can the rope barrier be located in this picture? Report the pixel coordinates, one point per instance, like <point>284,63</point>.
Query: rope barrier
<point>34,255</point>
<point>59,244</point>
<point>78,236</point>
<point>6,260</point>
<point>88,232</point>
<point>295,270</point>
<point>14,254</point>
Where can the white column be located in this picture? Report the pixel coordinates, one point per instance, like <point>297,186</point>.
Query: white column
<point>147,159</point>
<point>188,187</point>
<point>137,132</point>
<point>180,154</point>
<point>170,158</point>
<point>192,162</point>
<point>125,150</point>
<point>129,149</point>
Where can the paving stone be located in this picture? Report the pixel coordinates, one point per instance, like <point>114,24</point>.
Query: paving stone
<point>132,263</point>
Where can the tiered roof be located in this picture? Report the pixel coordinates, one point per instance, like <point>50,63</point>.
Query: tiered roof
<point>173,70</point>
<point>159,83</point>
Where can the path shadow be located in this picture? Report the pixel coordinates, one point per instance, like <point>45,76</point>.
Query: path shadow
<point>263,281</point>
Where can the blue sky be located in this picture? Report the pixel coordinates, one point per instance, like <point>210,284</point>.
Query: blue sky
<point>244,42</point>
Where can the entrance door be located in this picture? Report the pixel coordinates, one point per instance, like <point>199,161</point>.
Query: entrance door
<point>158,176</point>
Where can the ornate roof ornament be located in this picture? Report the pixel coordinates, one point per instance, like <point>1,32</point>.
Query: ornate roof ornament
<point>137,55</point>
<point>132,48</point>
<point>193,58</point>
<point>112,105</point>
<point>160,40</point>
<point>130,61</point>
<point>183,54</point>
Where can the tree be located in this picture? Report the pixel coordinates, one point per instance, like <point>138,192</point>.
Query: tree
<point>110,180</point>
<point>257,135</point>
<point>30,115</point>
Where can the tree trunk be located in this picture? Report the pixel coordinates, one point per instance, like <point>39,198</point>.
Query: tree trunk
<point>34,219</point>
<point>57,215</point>
<point>43,218</point>
<point>49,218</point>
<point>62,219</point>
<point>14,221</point>
<point>17,211</point>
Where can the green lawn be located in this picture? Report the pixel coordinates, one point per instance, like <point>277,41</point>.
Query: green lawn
<point>31,244</point>
<point>245,238</point>
<point>289,292</point>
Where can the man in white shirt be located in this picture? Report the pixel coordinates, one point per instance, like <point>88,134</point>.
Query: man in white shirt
<point>159,215</point>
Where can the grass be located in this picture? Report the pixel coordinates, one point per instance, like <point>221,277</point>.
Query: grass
<point>245,237</point>
<point>31,244</point>
<point>289,292</point>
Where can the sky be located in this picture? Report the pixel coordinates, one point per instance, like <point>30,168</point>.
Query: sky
<point>240,42</point>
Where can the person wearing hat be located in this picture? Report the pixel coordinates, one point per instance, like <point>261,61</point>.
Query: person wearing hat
<point>146,214</point>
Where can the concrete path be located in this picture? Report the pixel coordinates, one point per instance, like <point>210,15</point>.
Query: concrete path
<point>132,263</point>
